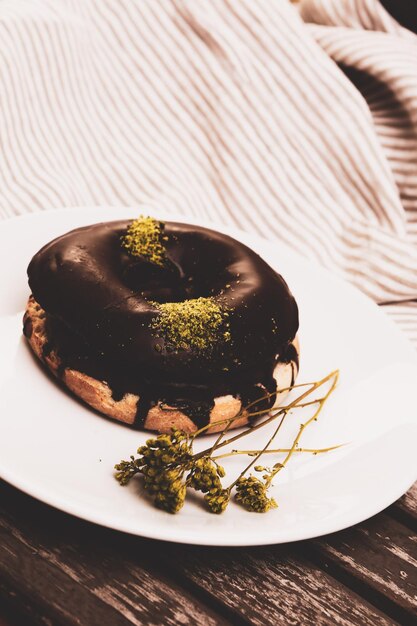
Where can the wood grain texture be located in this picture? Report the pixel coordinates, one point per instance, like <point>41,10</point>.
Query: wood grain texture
<point>377,558</point>
<point>405,509</point>
<point>17,610</point>
<point>77,573</point>
<point>273,585</point>
<point>72,572</point>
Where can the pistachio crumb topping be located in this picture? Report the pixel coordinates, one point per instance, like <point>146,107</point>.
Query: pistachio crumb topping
<point>144,238</point>
<point>196,324</point>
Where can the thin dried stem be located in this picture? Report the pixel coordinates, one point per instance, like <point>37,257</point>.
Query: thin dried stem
<point>278,451</point>
<point>314,386</point>
<point>303,427</point>
<point>243,410</point>
<point>261,452</point>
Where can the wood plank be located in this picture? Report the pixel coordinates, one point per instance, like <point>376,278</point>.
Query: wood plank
<point>16,611</point>
<point>77,573</point>
<point>405,509</point>
<point>3,621</point>
<point>377,559</point>
<point>269,586</point>
<point>82,573</point>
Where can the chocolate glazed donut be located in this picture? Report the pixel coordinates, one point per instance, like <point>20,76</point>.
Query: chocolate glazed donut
<point>99,307</point>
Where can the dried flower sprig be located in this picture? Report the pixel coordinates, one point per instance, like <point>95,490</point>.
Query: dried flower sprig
<point>169,467</point>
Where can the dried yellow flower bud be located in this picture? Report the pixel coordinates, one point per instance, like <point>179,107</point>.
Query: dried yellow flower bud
<point>217,501</point>
<point>251,493</point>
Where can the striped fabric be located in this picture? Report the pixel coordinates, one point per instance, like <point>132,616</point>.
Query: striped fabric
<point>234,110</point>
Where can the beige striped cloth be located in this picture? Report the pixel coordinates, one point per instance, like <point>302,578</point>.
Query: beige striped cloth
<point>297,123</point>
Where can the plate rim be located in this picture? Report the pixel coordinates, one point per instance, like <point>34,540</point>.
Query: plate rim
<point>40,493</point>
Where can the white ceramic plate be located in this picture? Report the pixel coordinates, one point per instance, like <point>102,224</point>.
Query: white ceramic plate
<point>57,450</point>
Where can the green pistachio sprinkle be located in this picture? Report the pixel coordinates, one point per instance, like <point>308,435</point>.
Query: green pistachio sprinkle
<point>144,238</point>
<point>196,324</point>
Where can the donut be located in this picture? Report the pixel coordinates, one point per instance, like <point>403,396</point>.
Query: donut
<point>163,325</point>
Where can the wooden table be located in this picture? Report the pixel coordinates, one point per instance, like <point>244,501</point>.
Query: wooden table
<point>56,569</point>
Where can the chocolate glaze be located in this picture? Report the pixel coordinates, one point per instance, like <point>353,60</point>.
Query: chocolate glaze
<point>27,327</point>
<point>98,303</point>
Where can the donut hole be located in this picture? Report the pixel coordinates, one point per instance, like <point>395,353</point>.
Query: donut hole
<point>153,282</point>
<point>170,283</point>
